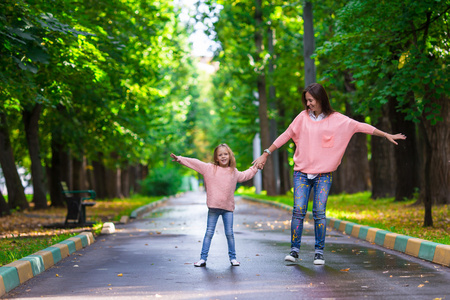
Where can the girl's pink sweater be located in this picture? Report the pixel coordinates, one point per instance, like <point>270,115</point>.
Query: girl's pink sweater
<point>320,145</point>
<point>220,182</point>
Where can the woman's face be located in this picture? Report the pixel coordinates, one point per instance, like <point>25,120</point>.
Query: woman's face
<point>313,104</point>
<point>223,157</point>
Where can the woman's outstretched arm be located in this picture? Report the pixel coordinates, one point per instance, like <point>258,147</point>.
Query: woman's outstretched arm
<point>390,137</point>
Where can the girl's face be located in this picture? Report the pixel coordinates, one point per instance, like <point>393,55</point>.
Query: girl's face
<point>223,157</point>
<point>313,104</point>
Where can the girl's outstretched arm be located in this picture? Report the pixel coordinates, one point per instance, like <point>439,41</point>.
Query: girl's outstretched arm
<point>390,137</point>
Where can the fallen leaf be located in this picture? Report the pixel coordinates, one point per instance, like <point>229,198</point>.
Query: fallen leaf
<point>345,270</point>
<point>57,275</point>
<point>421,285</point>
<point>120,275</point>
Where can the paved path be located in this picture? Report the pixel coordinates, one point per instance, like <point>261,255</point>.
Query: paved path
<point>153,258</point>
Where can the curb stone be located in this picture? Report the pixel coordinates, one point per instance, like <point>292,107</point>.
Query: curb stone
<point>14,274</point>
<point>146,208</point>
<point>426,250</point>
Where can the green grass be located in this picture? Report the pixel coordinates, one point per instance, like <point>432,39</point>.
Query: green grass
<point>12,249</point>
<point>399,217</point>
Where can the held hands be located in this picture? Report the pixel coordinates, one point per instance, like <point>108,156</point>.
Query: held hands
<point>260,161</point>
<point>392,137</point>
<point>175,158</point>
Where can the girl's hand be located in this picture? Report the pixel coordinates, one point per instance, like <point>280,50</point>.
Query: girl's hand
<point>260,161</point>
<point>392,137</point>
<point>175,158</point>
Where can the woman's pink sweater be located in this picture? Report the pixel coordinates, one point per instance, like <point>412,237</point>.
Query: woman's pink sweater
<point>220,182</point>
<point>320,145</point>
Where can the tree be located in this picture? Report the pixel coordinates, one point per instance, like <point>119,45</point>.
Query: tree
<point>406,53</point>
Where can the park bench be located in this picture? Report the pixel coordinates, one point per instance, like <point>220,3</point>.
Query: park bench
<point>76,204</point>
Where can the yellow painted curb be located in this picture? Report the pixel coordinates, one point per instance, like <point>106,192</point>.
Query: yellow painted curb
<point>389,240</point>
<point>342,226</point>
<point>64,250</point>
<point>23,269</point>
<point>332,221</point>
<point>77,241</point>
<point>371,233</point>
<point>47,257</point>
<point>413,246</point>
<point>2,286</point>
<point>442,255</point>
<point>89,236</point>
<point>355,231</point>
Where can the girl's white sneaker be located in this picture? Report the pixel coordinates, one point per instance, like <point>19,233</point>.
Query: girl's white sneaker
<point>235,263</point>
<point>200,263</point>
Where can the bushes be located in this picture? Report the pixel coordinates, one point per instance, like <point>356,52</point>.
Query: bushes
<point>162,181</point>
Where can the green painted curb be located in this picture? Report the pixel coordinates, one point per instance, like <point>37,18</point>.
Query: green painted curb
<point>56,253</point>
<point>10,278</point>
<point>37,263</point>
<point>71,245</point>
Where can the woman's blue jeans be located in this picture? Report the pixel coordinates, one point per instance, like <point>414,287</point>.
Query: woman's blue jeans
<point>227,218</point>
<point>321,185</point>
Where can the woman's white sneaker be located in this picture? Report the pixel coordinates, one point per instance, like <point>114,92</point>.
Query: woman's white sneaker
<point>291,256</point>
<point>200,263</point>
<point>318,259</point>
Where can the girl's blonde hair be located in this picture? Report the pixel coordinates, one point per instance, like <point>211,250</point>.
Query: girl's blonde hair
<point>231,162</point>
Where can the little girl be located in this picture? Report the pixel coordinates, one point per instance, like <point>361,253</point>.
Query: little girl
<point>220,183</point>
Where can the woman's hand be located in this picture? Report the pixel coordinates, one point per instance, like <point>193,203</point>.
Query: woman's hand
<point>392,137</point>
<point>260,161</point>
<point>175,158</point>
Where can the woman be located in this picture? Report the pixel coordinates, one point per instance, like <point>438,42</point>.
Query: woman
<point>321,136</point>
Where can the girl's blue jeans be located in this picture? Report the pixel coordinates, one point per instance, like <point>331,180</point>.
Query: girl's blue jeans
<point>227,218</point>
<point>321,185</point>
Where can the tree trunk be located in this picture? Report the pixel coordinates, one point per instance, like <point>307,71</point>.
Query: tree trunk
<point>383,170</point>
<point>285,174</point>
<point>268,173</point>
<point>308,43</point>
<point>16,194</point>
<point>100,179</point>
<point>66,168</point>
<point>273,122</point>
<point>112,182</point>
<point>406,154</point>
<point>426,187</point>
<point>31,122</point>
<point>439,137</point>
<point>77,169</point>
<point>54,173</point>
<point>4,209</point>
<point>125,182</point>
